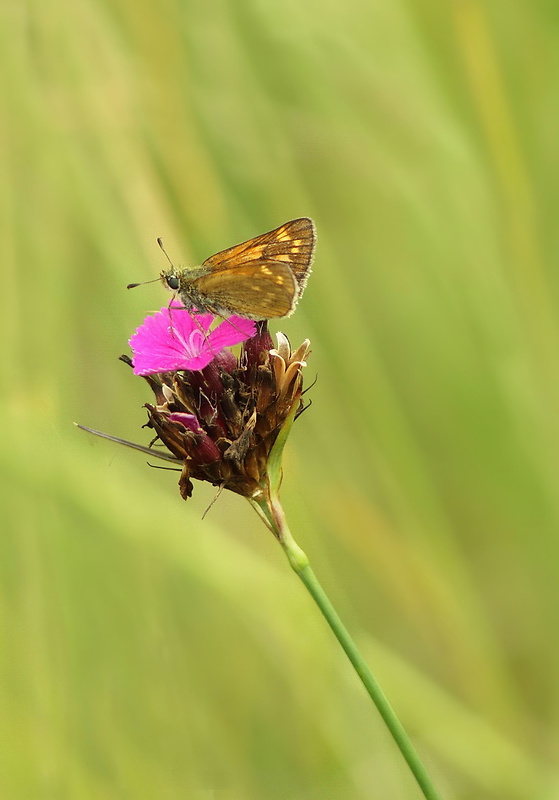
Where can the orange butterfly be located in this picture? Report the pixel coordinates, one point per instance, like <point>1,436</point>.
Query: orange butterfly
<point>258,279</point>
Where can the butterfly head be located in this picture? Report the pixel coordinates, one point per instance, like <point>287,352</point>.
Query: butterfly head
<point>171,280</point>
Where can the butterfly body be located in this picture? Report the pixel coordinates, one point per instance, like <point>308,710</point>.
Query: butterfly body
<point>262,278</point>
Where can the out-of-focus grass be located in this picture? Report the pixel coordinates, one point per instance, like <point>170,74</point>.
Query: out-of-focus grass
<point>146,653</point>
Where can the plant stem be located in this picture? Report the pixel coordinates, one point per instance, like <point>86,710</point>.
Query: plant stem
<point>272,513</point>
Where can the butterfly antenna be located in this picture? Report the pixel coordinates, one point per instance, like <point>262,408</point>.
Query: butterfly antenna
<point>143,283</point>
<point>155,280</point>
<point>160,243</point>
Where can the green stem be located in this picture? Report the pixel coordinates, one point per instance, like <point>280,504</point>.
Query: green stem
<point>272,513</point>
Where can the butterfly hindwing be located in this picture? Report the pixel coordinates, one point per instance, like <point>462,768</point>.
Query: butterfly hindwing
<point>257,291</point>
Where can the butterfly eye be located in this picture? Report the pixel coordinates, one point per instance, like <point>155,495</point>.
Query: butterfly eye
<point>173,282</point>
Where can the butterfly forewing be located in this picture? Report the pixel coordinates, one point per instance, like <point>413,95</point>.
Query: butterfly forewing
<point>292,244</point>
<point>260,291</point>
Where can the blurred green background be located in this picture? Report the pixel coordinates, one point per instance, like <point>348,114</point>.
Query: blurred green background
<point>145,653</point>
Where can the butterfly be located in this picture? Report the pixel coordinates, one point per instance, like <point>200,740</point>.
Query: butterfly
<point>261,278</point>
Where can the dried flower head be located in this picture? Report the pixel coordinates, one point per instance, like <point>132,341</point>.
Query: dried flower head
<point>220,421</point>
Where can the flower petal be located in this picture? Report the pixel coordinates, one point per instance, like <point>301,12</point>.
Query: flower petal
<point>232,330</point>
<point>173,339</point>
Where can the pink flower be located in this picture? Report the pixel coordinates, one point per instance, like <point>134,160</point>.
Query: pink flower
<point>173,339</point>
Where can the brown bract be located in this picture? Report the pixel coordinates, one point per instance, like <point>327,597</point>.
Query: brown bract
<point>222,421</point>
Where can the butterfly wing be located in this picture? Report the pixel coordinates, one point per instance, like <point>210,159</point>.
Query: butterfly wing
<point>292,244</point>
<point>258,289</point>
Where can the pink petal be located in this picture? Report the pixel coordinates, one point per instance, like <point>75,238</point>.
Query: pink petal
<point>169,341</point>
<point>173,339</point>
<point>232,330</point>
<point>190,421</point>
